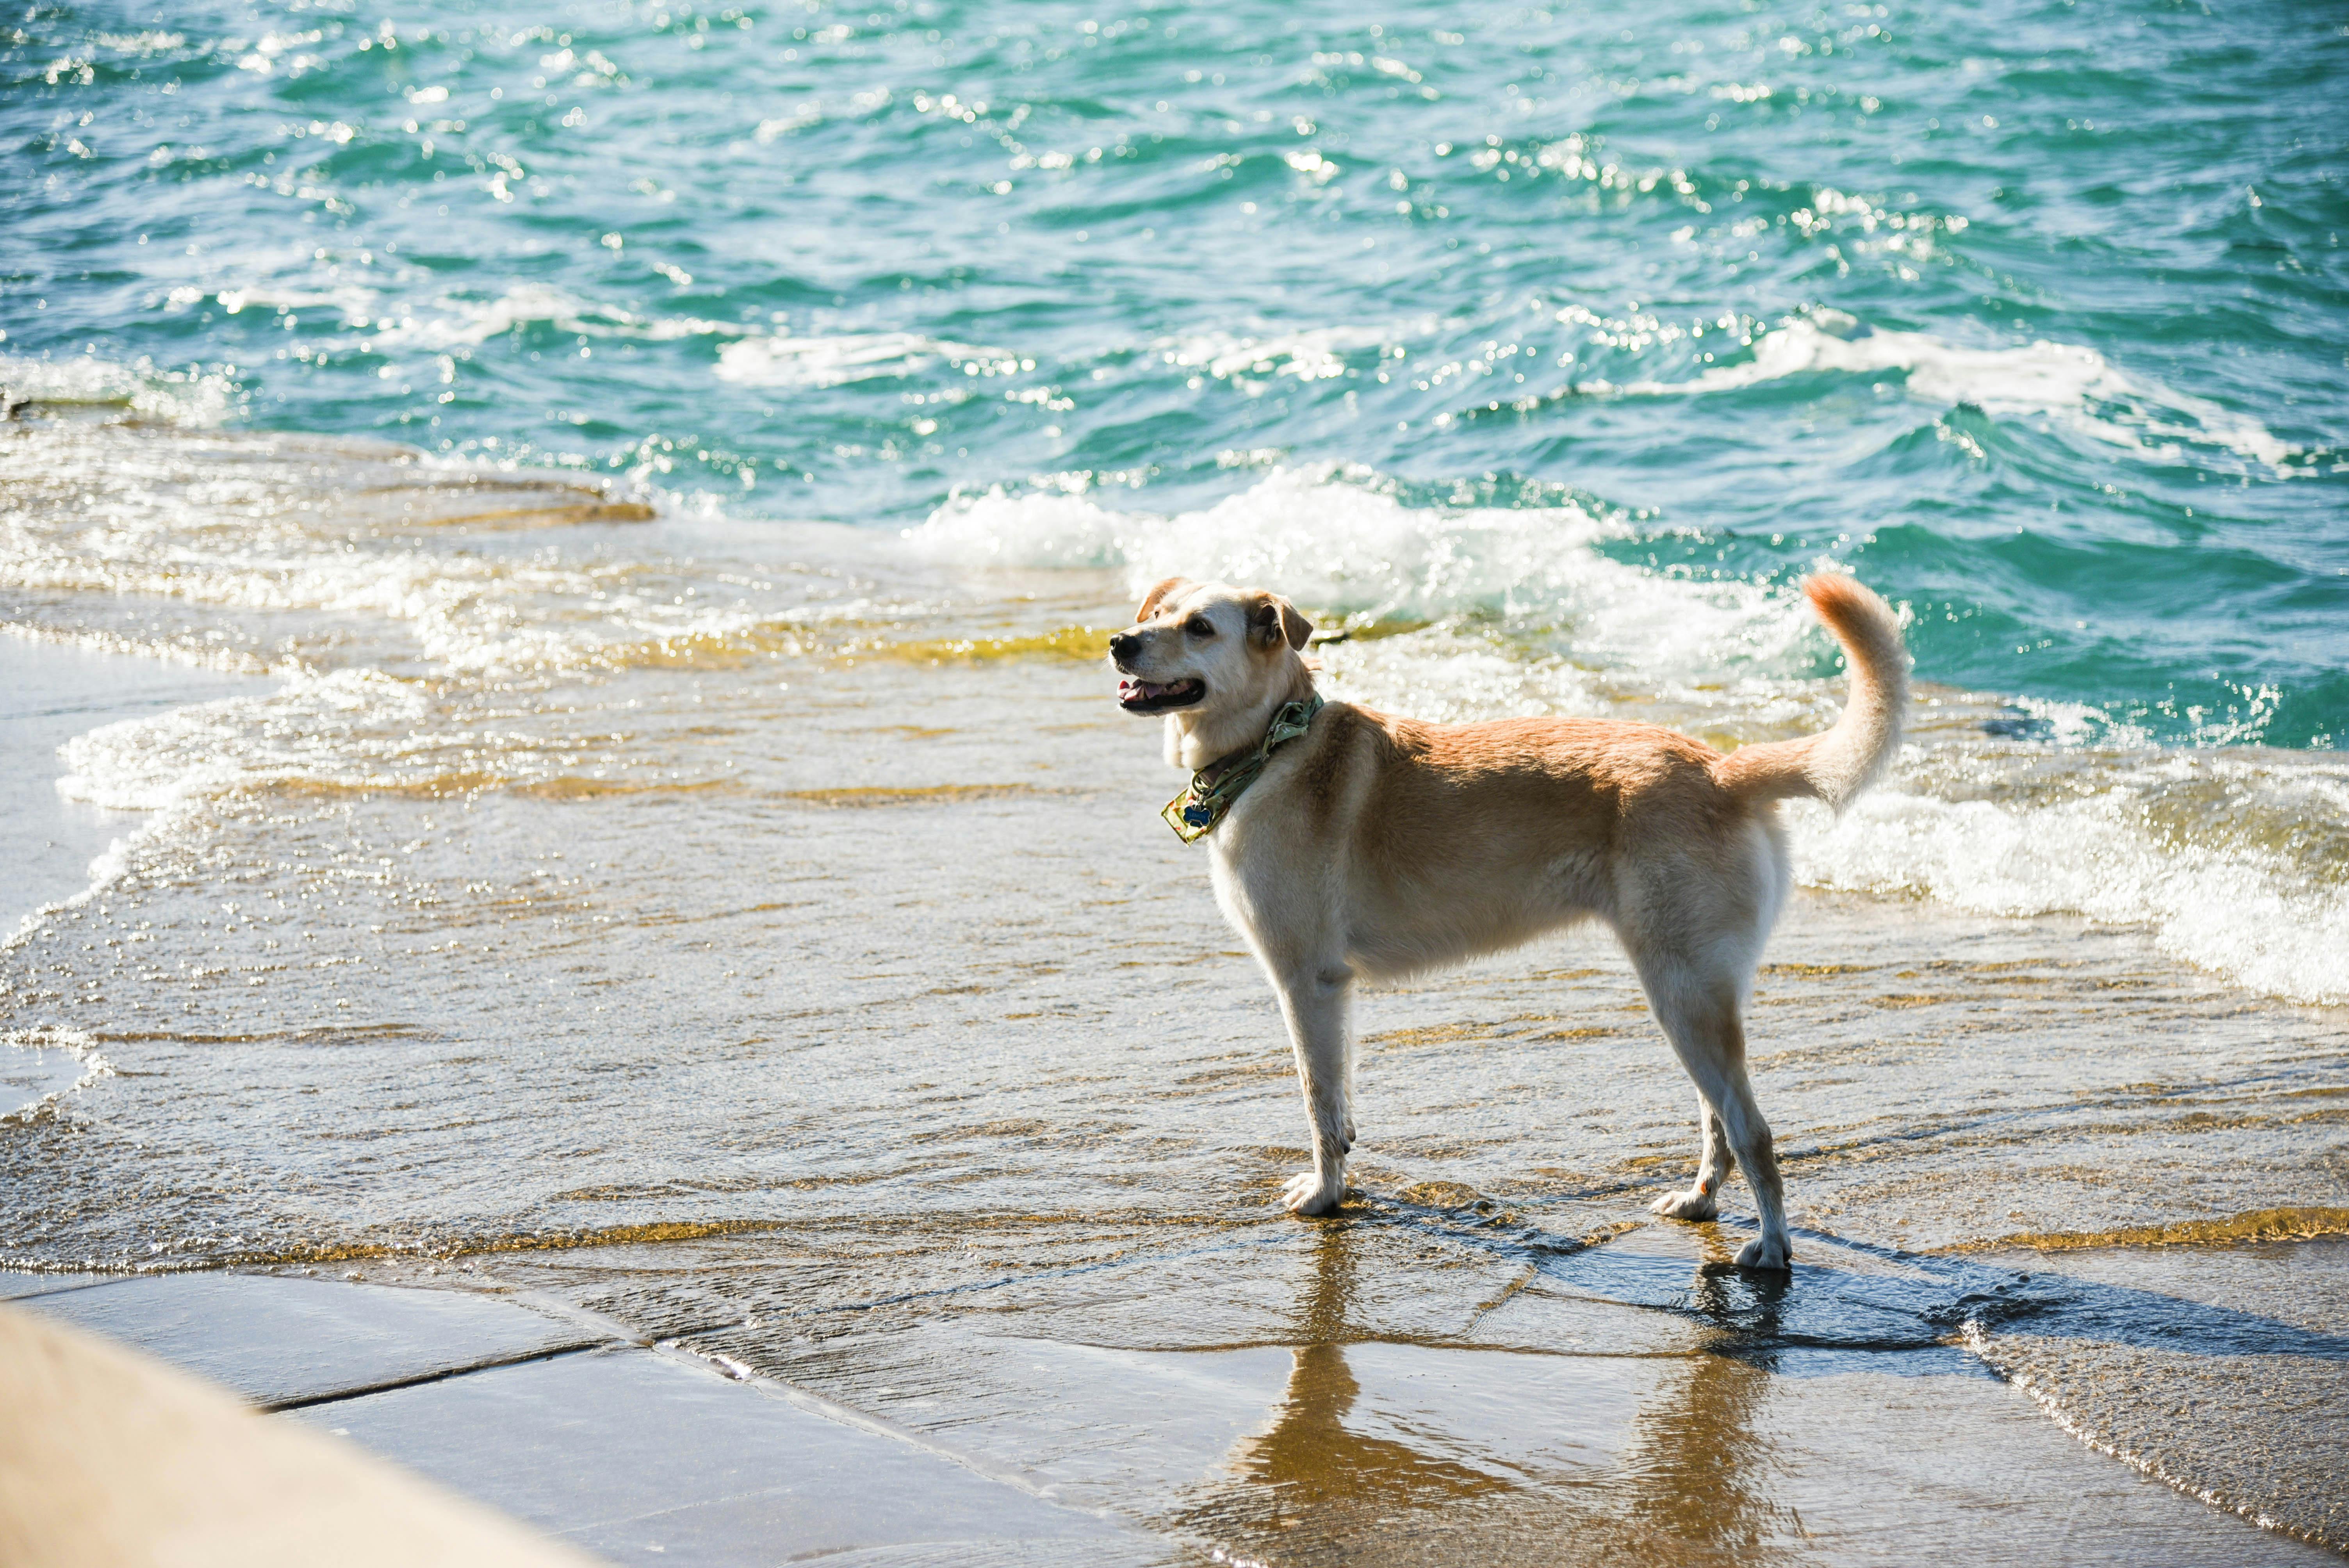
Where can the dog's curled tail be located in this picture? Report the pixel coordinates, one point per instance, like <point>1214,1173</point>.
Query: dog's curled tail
<point>1836,766</point>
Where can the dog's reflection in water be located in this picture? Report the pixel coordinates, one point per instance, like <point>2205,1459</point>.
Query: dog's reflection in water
<point>1333,1479</point>
<point>1697,1471</point>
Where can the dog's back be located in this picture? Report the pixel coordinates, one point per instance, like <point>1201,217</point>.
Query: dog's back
<point>1443,842</point>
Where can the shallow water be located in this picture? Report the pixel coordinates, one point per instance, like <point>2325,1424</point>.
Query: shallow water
<point>669,844</point>
<point>810,977</point>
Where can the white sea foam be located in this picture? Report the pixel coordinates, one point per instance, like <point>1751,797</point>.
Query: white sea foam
<point>1337,542</point>
<point>147,42</point>
<point>223,548</point>
<point>465,613</point>
<point>2066,380</point>
<point>1314,354</point>
<point>2243,912</point>
<point>315,729</point>
<point>836,361</point>
<point>1530,615</point>
<point>77,1065</point>
<point>353,729</point>
<point>352,302</point>
<point>453,321</point>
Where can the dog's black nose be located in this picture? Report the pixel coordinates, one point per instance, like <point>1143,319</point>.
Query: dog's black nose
<point>1124,645</point>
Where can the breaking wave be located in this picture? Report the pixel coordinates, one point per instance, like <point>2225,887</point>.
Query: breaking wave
<point>2063,379</point>
<point>2265,918</point>
<point>836,361</point>
<point>1342,542</point>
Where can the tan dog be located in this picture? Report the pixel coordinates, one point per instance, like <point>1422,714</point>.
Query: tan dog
<point>1374,847</point>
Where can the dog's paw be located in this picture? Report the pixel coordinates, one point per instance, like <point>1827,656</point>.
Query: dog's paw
<point>1696,1204</point>
<point>1765,1251</point>
<point>1306,1193</point>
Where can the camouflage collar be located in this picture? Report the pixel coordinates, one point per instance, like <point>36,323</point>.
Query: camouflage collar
<point>1215,788</point>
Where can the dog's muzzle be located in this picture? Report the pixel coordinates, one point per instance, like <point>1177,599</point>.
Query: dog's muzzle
<point>1137,696</point>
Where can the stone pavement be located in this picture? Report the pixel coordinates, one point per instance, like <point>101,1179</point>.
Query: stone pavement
<point>568,1421</point>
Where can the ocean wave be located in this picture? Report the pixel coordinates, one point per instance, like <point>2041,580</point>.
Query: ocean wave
<point>77,1064</point>
<point>483,619</point>
<point>348,730</point>
<point>2066,380</point>
<point>372,544</point>
<point>350,300</point>
<point>464,613</point>
<point>2261,918</point>
<point>1316,353</point>
<point>839,360</point>
<point>1341,542</point>
<point>460,322</point>
<point>310,728</point>
<point>343,732</point>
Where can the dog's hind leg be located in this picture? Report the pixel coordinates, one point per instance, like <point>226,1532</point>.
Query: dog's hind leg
<point>1352,1056</point>
<point>1702,1202</point>
<point>1314,1004</point>
<point>1698,1012</point>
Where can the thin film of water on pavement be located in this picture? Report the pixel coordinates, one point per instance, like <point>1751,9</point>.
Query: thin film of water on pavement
<point>763,939</point>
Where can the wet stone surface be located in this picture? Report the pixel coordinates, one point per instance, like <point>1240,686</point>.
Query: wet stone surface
<point>2225,1371</point>
<point>283,1343</point>
<point>638,1457</point>
<point>1396,1387</point>
<point>770,941</point>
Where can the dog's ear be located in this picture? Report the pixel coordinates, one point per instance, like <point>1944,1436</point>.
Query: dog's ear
<point>1150,600</point>
<point>1273,620</point>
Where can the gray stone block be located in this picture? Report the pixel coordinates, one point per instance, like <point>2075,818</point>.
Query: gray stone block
<point>642,1459</point>
<point>17,1286</point>
<point>281,1342</point>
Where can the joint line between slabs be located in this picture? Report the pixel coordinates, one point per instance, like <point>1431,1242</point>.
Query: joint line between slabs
<point>438,1375</point>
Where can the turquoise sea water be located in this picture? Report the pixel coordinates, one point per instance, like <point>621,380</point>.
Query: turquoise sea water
<point>2032,313</point>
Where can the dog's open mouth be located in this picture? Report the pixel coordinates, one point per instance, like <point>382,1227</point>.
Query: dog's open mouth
<point>1149,696</point>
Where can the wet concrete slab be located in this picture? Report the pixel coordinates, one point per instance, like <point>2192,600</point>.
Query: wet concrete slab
<point>1389,1389</point>
<point>1348,1439</point>
<point>1429,1454</point>
<point>111,1457</point>
<point>17,1286</point>
<point>640,1457</point>
<point>2246,1382</point>
<point>1377,1453</point>
<point>283,1341</point>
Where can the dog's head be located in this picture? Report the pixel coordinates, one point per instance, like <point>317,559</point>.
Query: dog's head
<point>1216,660</point>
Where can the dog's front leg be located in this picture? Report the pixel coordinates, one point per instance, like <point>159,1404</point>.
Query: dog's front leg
<point>1313,1000</point>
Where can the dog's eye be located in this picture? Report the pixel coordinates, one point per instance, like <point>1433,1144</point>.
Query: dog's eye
<point>1200,626</point>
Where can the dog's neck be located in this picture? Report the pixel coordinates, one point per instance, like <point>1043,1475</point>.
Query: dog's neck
<point>1195,739</point>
